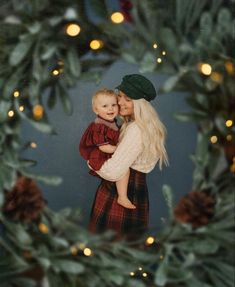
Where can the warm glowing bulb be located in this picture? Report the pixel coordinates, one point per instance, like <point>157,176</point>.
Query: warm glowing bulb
<point>38,112</point>
<point>33,145</point>
<point>73,30</point>
<point>73,250</point>
<point>117,17</point>
<point>155,45</point>
<point>145,274</point>
<point>214,139</point>
<point>216,77</point>
<point>150,240</point>
<point>87,251</point>
<point>96,44</point>
<point>229,138</point>
<point>16,94</point>
<point>161,257</point>
<point>11,114</point>
<point>163,53</point>
<point>229,67</point>
<point>159,60</point>
<point>55,72</point>
<point>140,268</point>
<point>43,228</point>
<point>205,69</point>
<point>21,108</point>
<point>229,123</point>
<point>132,273</point>
<point>81,246</point>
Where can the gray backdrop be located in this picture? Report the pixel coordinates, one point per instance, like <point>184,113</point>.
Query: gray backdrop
<point>58,154</point>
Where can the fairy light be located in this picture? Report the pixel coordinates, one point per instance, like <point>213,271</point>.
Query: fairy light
<point>155,45</point>
<point>55,72</point>
<point>87,251</point>
<point>21,108</point>
<point>81,246</point>
<point>16,94</point>
<point>11,114</point>
<point>73,30</point>
<point>73,250</point>
<point>161,257</point>
<point>144,274</point>
<point>43,228</point>
<point>229,123</point>
<point>150,240</point>
<point>117,17</point>
<point>96,44</point>
<point>232,167</point>
<point>229,67</point>
<point>205,69</point>
<point>33,145</point>
<point>132,273</point>
<point>159,60</point>
<point>38,112</point>
<point>216,77</point>
<point>163,53</point>
<point>213,139</point>
<point>229,138</point>
<point>140,268</point>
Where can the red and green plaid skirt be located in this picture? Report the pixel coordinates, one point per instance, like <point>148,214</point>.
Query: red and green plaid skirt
<point>108,214</point>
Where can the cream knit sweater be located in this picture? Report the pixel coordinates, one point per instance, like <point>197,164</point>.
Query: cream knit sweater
<point>128,154</point>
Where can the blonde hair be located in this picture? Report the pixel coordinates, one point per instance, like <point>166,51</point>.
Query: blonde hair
<point>102,92</point>
<point>152,130</point>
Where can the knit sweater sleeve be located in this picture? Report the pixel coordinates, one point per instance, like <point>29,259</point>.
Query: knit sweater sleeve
<point>126,153</point>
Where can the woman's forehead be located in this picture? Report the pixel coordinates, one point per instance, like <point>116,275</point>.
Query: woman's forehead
<point>120,93</point>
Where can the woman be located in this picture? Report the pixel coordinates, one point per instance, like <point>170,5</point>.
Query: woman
<point>141,146</point>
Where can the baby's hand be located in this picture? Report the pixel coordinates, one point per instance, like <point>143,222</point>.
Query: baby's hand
<point>108,148</point>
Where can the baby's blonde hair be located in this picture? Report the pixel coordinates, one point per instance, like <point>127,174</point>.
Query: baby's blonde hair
<point>152,130</point>
<point>102,92</point>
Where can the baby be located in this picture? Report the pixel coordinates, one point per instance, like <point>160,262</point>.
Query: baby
<point>100,139</point>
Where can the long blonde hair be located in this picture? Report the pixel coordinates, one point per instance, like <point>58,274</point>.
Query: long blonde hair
<point>152,130</point>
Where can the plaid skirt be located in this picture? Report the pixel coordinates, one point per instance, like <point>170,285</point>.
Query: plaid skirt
<point>108,214</point>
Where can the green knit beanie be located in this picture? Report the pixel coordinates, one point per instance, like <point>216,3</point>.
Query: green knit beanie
<point>137,87</point>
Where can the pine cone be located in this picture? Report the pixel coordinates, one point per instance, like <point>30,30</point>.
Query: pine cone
<point>25,201</point>
<point>196,208</point>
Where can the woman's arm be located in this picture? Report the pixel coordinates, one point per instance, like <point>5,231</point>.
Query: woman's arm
<point>126,153</point>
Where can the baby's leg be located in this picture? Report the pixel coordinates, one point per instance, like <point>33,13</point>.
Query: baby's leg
<point>122,186</point>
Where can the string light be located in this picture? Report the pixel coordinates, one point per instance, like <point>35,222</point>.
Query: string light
<point>216,77</point>
<point>229,67</point>
<point>140,268</point>
<point>96,44</point>
<point>205,69</point>
<point>159,60</point>
<point>161,257</point>
<point>73,250</point>
<point>150,240</point>
<point>21,108</point>
<point>229,123</point>
<point>117,17</point>
<point>163,53</point>
<point>144,274</point>
<point>155,45</point>
<point>16,94</point>
<point>33,145</point>
<point>43,228</point>
<point>73,30</point>
<point>11,114</point>
<point>55,72</point>
<point>132,273</point>
<point>229,138</point>
<point>87,251</point>
<point>232,167</point>
<point>38,112</point>
<point>213,139</point>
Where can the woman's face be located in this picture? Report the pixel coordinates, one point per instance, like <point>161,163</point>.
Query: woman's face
<point>126,105</point>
